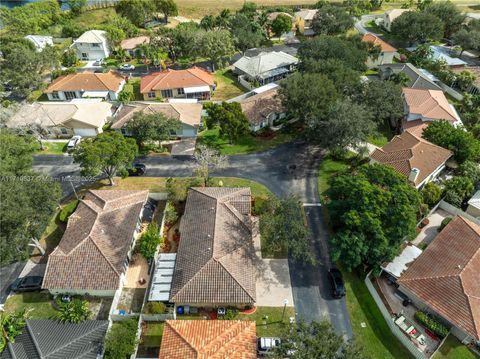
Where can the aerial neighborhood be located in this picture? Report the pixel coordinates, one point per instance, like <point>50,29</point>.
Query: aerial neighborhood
<point>184,179</point>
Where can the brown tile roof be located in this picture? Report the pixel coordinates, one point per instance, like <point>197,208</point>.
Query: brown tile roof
<point>257,108</point>
<point>215,255</point>
<point>415,127</point>
<point>208,339</point>
<point>429,104</point>
<point>385,46</point>
<point>134,42</point>
<point>189,113</point>
<point>87,81</point>
<point>446,275</point>
<point>94,247</point>
<point>172,79</point>
<point>407,151</point>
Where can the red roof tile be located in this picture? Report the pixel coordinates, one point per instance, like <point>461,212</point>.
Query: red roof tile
<point>172,79</point>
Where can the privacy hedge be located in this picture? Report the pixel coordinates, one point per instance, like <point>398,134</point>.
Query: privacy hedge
<point>432,323</point>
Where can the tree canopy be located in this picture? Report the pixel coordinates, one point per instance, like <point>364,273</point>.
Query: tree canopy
<point>450,15</point>
<point>121,339</point>
<point>416,26</point>
<point>373,209</point>
<point>137,11</point>
<point>281,25</point>
<point>228,116</point>
<point>166,7</point>
<point>152,127</point>
<point>246,32</point>
<point>331,20</point>
<point>109,153</point>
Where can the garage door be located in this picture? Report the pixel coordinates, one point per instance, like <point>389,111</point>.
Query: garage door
<point>85,132</point>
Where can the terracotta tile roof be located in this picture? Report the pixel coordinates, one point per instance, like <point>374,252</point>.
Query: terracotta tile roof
<point>407,151</point>
<point>256,108</point>
<point>189,113</point>
<point>94,247</point>
<point>386,47</point>
<point>446,275</point>
<point>215,255</point>
<point>208,339</point>
<point>430,104</point>
<point>87,81</point>
<point>415,127</point>
<point>172,79</point>
<point>134,42</point>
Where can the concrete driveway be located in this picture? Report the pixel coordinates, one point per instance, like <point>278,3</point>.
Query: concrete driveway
<point>273,278</point>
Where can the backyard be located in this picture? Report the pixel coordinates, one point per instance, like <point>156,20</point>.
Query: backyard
<point>227,86</point>
<point>452,348</point>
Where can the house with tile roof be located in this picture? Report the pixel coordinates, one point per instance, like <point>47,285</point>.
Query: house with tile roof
<point>417,78</point>
<point>263,109</point>
<point>94,252</point>
<point>303,21</point>
<point>133,44</point>
<point>265,68</point>
<point>387,51</point>
<point>79,85</point>
<point>52,339</point>
<point>215,259</point>
<point>92,45</point>
<point>190,114</point>
<point>424,106</point>
<point>419,160</point>
<point>444,280</point>
<point>63,119</point>
<point>390,15</point>
<point>213,339</point>
<point>192,83</point>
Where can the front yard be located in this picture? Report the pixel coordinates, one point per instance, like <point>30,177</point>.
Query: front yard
<point>452,348</point>
<point>227,86</point>
<point>39,302</point>
<point>52,148</point>
<point>269,320</point>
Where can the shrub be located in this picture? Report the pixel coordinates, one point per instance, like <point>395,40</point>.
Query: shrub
<point>75,311</point>
<point>444,223</point>
<point>230,314</point>
<point>457,189</point>
<point>149,241</point>
<point>432,323</point>
<point>121,339</point>
<point>127,94</point>
<point>431,194</point>
<point>171,215</point>
<point>260,205</point>
<point>68,210</point>
<point>155,308</point>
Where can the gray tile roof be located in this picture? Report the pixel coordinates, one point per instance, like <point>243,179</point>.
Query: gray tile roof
<point>95,245</point>
<point>215,255</point>
<point>417,79</point>
<point>51,339</point>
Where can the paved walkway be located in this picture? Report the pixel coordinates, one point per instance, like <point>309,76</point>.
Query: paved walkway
<point>273,279</point>
<point>184,147</point>
<point>430,231</point>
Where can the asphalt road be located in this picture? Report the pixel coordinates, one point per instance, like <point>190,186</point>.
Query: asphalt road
<point>287,169</point>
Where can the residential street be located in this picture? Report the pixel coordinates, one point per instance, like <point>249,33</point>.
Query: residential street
<point>287,169</point>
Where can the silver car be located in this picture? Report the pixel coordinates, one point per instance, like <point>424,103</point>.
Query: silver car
<point>74,141</point>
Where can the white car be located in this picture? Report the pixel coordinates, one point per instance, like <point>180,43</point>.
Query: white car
<point>265,346</point>
<point>127,67</point>
<point>98,62</point>
<point>74,141</point>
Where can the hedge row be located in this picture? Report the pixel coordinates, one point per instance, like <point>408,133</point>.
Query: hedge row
<point>431,323</point>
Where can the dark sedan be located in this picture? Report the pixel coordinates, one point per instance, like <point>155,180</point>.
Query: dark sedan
<point>27,284</point>
<point>338,288</point>
<point>138,169</point>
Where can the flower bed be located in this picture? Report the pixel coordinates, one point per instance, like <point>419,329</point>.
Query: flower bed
<point>432,323</point>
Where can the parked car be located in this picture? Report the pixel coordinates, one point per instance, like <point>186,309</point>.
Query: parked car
<point>338,288</point>
<point>98,62</point>
<point>74,141</point>
<point>265,346</point>
<point>27,284</point>
<point>139,169</point>
<point>127,67</point>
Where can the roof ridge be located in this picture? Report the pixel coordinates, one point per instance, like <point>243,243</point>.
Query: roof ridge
<point>35,343</point>
<point>103,254</point>
<point>234,327</point>
<point>198,77</point>
<point>233,277</point>
<point>181,337</point>
<point>234,211</point>
<point>433,277</point>
<point>76,339</point>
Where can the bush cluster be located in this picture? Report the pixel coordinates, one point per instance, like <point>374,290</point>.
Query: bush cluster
<point>431,323</point>
<point>155,308</point>
<point>149,241</point>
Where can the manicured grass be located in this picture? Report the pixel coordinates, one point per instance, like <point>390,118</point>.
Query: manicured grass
<point>376,338</point>
<point>39,302</point>
<point>51,236</point>
<point>273,326</point>
<point>227,86</point>
<point>153,334</point>
<point>95,17</point>
<point>328,168</point>
<point>52,148</point>
<point>452,348</point>
<point>245,144</point>
<point>67,210</point>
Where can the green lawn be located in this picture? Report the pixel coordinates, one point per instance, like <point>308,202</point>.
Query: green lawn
<point>330,167</point>
<point>376,338</point>
<point>152,337</point>
<point>39,302</point>
<point>135,82</point>
<point>273,326</point>
<point>227,86</point>
<point>52,148</point>
<point>452,348</point>
<point>245,144</point>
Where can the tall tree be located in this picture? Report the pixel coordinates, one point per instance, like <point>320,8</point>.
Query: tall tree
<point>344,124</point>
<point>317,340</point>
<point>416,26</point>
<point>137,11</point>
<point>77,6</point>
<point>467,40</point>
<point>449,14</point>
<point>373,209</point>
<point>331,20</point>
<point>121,339</point>
<point>167,8</point>
<point>207,159</point>
<point>283,226</point>
<point>109,153</point>
<point>281,25</point>
<point>302,97</point>
<point>218,47</point>
<point>463,144</point>
<point>246,32</point>
<point>228,116</point>
<point>152,127</point>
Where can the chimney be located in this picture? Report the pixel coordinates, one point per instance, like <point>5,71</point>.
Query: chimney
<point>413,174</point>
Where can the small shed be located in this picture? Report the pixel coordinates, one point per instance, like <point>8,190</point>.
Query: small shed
<point>401,262</point>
